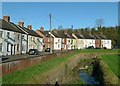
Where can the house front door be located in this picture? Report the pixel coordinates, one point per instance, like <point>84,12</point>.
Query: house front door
<point>11,49</point>
<point>14,49</point>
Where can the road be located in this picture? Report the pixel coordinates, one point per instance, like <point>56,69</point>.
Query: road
<point>23,56</point>
<point>19,57</point>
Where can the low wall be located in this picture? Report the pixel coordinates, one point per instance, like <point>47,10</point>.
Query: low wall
<point>12,66</point>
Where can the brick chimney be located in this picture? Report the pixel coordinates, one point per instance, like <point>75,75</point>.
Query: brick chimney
<point>89,32</point>
<point>6,18</point>
<point>101,33</point>
<point>29,27</point>
<point>65,31</point>
<point>79,32</point>
<point>42,29</point>
<point>21,24</point>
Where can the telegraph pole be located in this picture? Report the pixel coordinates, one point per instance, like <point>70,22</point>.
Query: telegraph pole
<point>50,34</point>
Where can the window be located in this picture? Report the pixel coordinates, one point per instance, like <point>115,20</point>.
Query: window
<point>8,34</point>
<point>23,47</point>
<point>14,35</point>
<point>8,47</point>
<point>68,40</point>
<point>58,45</point>
<point>17,47</point>
<point>18,36</point>
<point>31,38</point>
<point>0,47</point>
<point>72,40</point>
<point>1,32</point>
<point>22,36</point>
<point>107,41</point>
<point>58,40</point>
<point>34,39</point>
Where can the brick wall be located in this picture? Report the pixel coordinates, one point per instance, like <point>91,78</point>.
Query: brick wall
<point>10,67</point>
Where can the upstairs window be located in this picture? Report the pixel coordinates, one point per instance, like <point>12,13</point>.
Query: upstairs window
<point>58,40</point>
<point>31,38</point>
<point>72,41</point>
<point>68,40</point>
<point>0,47</point>
<point>1,33</point>
<point>8,34</point>
<point>18,37</point>
<point>22,36</point>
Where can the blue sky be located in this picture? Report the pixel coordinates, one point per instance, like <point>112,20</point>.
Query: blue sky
<point>78,14</point>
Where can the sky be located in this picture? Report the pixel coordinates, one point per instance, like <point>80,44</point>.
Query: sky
<point>65,14</point>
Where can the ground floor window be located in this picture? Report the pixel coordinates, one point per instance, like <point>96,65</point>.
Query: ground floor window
<point>1,47</point>
<point>17,47</point>
<point>23,47</point>
<point>58,45</point>
<point>8,47</point>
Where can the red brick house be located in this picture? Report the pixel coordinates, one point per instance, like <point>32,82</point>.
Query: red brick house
<point>46,37</point>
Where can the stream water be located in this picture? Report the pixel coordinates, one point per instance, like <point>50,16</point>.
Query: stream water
<point>88,79</point>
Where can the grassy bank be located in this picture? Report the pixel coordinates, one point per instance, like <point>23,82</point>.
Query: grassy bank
<point>110,65</point>
<point>112,62</point>
<point>30,74</point>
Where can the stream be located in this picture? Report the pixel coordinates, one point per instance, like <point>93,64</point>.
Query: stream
<point>88,79</point>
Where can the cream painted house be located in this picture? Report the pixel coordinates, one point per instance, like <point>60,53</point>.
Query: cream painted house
<point>57,40</point>
<point>80,40</point>
<point>105,42</point>
<point>89,40</point>
<point>34,40</point>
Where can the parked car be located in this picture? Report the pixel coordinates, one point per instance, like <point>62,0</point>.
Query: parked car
<point>33,52</point>
<point>90,47</point>
<point>104,47</point>
<point>47,50</point>
<point>97,48</point>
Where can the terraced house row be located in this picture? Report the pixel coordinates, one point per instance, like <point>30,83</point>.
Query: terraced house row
<point>17,39</point>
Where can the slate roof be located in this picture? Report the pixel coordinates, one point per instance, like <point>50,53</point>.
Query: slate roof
<point>102,37</point>
<point>45,33</point>
<point>71,36</point>
<point>56,34</point>
<point>97,37</point>
<point>89,36</point>
<point>80,36</point>
<point>31,32</point>
<point>9,26</point>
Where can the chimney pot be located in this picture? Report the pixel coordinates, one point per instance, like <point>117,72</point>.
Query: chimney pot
<point>79,32</point>
<point>101,33</point>
<point>42,29</point>
<point>21,24</point>
<point>6,18</point>
<point>29,27</point>
<point>89,32</point>
<point>65,31</point>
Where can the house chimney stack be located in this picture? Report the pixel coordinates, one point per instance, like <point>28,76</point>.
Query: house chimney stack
<point>79,32</point>
<point>29,27</point>
<point>42,29</point>
<point>21,24</point>
<point>65,31</point>
<point>89,32</point>
<point>6,18</point>
<point>101,33</point>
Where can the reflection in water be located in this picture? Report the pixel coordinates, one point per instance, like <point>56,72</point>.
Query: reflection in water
<point>87,78</point>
